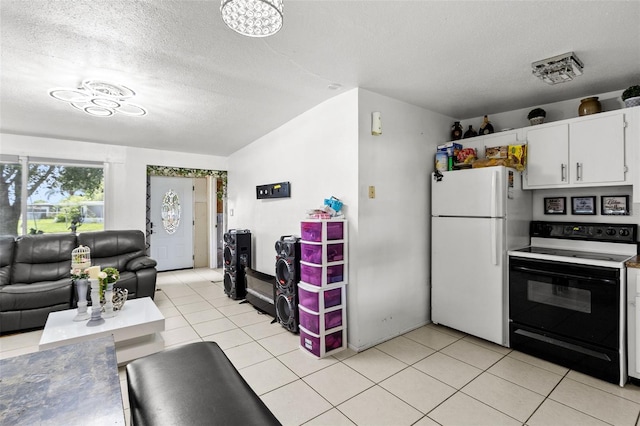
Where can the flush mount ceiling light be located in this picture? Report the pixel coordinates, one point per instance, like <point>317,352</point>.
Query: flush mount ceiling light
<point>558,69</point>
<point>99,98</point>
<point>253,18</point>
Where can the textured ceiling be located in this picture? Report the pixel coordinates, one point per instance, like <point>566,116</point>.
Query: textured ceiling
<point>209,90</point>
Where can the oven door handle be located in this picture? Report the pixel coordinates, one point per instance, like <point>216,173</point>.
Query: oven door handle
<point>561,275</point>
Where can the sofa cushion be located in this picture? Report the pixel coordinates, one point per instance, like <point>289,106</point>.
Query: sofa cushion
<point>194,384</point>
<point>18,297</point>
<point>45,257</point>
<point>7,243</point>
<point>113,248</point>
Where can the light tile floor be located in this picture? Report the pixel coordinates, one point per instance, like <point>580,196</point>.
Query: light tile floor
<point>429,376</point>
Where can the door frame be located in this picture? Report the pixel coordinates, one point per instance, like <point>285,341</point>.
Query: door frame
<point>217,194</point>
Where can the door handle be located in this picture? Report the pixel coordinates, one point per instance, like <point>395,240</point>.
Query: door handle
<point>563,172</point>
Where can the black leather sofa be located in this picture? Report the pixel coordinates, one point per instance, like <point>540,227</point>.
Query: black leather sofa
<point>35,276</point>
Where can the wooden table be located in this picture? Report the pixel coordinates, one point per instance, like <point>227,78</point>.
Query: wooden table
<point>76,384</point>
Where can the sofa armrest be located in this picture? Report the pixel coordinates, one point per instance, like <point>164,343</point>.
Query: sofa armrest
<point>139,263</point>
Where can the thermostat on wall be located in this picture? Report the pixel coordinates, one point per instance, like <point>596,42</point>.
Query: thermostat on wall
<point>274,190</point>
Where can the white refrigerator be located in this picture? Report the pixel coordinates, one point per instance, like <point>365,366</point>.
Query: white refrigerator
<point>477,215</point>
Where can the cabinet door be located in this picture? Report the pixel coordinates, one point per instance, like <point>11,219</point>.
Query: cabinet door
<point>548,156</point>
<point>596,148</point>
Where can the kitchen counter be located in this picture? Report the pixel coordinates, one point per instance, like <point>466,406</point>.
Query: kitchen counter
<point>72,385</point>
<point>634,262</point>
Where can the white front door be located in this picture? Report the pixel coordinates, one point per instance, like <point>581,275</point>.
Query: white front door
<point>172,236</point>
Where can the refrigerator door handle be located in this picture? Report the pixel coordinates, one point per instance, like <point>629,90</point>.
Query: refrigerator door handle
<point>494,241</point>
<point>494,193</point>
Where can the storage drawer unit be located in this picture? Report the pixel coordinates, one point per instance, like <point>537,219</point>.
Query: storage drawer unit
<point>319,253</point>
<point>321,290</point>
<point>318,299</point>
<point>323,345</point>
<point>322,275</point>
<point>321,322</point>
<point>318,230</point>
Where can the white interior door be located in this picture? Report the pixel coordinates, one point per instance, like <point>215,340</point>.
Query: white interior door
<point>172,238</point>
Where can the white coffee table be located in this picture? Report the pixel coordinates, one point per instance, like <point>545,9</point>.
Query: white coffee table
<point>136,330</point>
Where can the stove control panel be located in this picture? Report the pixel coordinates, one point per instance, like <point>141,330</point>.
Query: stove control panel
<point>609,232</point>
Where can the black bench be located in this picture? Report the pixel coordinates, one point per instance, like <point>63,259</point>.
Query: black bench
<point>194,384</point>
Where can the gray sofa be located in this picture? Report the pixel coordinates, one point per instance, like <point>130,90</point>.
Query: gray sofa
<point>35,272</point>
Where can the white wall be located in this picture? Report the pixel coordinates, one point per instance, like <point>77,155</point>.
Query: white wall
<point>391,295</point>
<point>317,153</point>
<point>126,170</point>
<point>328,151</point>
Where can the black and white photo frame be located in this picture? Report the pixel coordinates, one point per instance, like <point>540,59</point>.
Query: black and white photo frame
<point>555,205</point>
<point>614,205</point>
<point>583,205</point>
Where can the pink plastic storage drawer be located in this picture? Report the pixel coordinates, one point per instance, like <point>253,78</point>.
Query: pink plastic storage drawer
<point>312,231</point>
<point>314,274</point>
<point>312,253</point>
<point>333,319</point>
<point>311,299</point>
<point>311,320</point>
<point>311,342</point>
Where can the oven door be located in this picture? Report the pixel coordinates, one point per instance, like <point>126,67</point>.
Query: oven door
<point>578,302</point>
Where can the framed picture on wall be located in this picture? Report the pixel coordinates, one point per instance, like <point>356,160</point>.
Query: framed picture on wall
<point>555,205</point>
<point>583,205</point>
<point>615,205</point>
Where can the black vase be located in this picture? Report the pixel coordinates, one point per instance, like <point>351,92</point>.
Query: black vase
<point>470,133</point>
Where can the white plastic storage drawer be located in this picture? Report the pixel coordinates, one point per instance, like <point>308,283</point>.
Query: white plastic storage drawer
<point>322,230</point>
<point>318,299</point>
<point>323,275</point>
<point>319,322</point>
<point>323,345</point>
<point>319,253</point>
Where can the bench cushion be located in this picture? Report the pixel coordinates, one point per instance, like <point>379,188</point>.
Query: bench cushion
<point>194,384</point>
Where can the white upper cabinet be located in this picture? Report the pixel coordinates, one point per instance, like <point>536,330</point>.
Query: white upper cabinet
<point>587,151</point>
<point>596,150</point>
<point>547,156</point>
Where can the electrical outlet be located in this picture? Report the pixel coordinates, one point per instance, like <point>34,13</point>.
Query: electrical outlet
<point>372,191</point>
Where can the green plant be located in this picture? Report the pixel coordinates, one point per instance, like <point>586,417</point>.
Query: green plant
<point>631,92</point>
<point>536,112</point>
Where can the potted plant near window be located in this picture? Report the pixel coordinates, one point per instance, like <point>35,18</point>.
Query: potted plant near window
<point>631,96</point>
<point>536,116</point>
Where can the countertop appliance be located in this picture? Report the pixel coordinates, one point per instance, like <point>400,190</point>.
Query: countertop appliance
<point>567,296</point>
<point>477,215</point>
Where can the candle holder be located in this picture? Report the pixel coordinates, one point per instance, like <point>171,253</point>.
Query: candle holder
<point>81,290</point>
<point>96,307</point>
<point>108,302</point>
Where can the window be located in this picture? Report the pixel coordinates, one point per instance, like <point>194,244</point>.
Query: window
<point>61,196</point>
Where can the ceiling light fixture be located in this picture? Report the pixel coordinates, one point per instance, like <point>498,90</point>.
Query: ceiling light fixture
<point>558,69</point>
<point>99,98</point>
<point>253,18</point>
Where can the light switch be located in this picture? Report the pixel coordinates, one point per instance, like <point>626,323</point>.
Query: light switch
<point>372,192</point>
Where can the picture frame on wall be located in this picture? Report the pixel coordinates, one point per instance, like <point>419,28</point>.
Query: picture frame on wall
<point>583,205</point>
<point>555,205</point>
<point>614,205</point>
